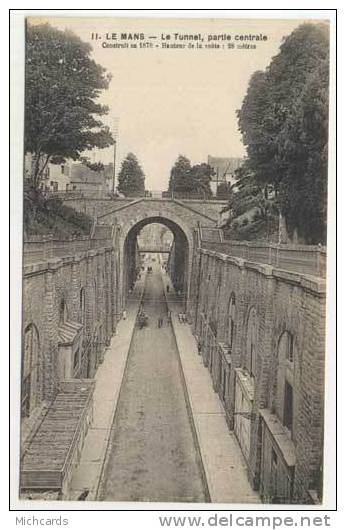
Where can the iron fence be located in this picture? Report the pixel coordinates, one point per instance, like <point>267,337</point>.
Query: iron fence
<point>306,259</point>
<point>38,249</point>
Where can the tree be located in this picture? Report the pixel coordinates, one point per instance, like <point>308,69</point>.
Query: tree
<point>61,85</point>
<point>283,121</point>
<point>256,123</point>
<point>192,180</point>
<point>181,176</point>
<point>247,195</point>
<point>131,176</point>
<point>303,152</point>
<point>201,175</point>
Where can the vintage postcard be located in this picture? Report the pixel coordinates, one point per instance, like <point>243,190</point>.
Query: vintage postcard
<point>175,186</point>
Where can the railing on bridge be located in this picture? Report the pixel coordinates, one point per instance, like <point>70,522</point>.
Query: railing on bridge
<point>43,248</point>
<point>155,250</point>
<point>147,194</point>
<point>305,259</point>
<point>179,195</point>
<point>190,195</point>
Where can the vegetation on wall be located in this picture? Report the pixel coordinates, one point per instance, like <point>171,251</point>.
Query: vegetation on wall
<point>51,217</point>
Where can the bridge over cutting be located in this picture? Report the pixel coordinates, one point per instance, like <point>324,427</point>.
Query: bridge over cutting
<point>130,215</point>
<point>207,211</point>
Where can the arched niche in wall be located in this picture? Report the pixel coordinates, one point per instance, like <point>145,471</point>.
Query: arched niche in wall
<point>251,342</point>
<point>30,387</point>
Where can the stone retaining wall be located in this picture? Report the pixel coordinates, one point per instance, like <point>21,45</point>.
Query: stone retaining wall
<point>88,279</point>
<point>282,301</point>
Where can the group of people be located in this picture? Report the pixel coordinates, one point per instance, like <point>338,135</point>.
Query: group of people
<point>160,320</point>
<point>182,318</point>
<point>142,318</point>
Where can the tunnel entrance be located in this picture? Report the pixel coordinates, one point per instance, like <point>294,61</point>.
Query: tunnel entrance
<point>160,237</point>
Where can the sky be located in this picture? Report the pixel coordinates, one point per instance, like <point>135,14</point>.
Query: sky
<point>169,102</point>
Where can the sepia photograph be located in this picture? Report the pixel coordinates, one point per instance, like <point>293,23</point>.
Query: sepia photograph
<point>173,316</point>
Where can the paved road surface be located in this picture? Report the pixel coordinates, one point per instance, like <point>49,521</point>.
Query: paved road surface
<point>152,454</point>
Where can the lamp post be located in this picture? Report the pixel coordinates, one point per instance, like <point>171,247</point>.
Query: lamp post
<point>115,132</point>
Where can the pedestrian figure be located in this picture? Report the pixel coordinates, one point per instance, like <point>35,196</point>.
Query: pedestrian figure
<point>83,495</point>
<point>124,314</point>
<point>142,319</point>
<point>167,288</point>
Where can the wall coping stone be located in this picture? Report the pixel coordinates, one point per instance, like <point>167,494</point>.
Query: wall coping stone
<point>54,263</point>
<point>91,253</point>
<point>67,259</point>
<point>314,284</point>
<point>221,256</point>
<point>33,268</point>
<point>235,260</point>
<point>263,268</point>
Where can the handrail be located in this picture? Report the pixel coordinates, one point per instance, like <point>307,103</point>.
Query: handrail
<point>307,259</point>
<point>42,249</point>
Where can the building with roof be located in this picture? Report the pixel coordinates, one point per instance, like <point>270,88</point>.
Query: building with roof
<point>91,183</point>
<point>224,170</point>
<point>56,177</point>
<point>73,176</point>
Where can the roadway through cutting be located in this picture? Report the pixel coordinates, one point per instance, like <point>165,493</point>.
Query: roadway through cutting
<point>153,453</point>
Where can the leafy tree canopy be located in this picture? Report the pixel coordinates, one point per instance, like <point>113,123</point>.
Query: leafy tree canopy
<point>284,123</point>
<point>303,156</point>
<point>181,177</point>
<point>62,83</point>
<point>201,177</point>
<point>131,176</point>
<point>248,194</point>
<point>190,179</point>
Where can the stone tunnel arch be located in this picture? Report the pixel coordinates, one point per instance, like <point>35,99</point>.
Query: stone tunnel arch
<point>183,215</point>
<point>183,241</point>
